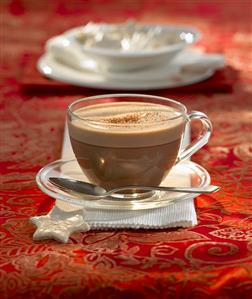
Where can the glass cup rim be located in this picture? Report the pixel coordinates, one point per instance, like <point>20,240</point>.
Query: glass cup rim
<point>182,107</point>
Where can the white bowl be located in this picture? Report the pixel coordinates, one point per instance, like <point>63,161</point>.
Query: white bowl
<point>116,59</point>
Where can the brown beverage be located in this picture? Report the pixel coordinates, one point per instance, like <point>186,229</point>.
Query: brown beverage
<point>126,143</point>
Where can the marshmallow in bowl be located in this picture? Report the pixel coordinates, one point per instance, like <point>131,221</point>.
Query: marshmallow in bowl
<point>129,36</point>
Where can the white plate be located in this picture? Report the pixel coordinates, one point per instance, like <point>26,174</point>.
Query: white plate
<point>183,174</point>
<point>158,78</point>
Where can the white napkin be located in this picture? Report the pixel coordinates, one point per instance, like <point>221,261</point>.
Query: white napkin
<point>67,52</point>
<point>180,214</point>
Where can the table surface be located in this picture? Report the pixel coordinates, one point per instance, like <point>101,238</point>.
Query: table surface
<point>212,259</point>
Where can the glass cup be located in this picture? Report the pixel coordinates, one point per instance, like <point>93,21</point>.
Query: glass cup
<point>131,139</point>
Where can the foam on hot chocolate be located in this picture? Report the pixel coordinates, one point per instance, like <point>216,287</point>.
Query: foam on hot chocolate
<point>127,124</point>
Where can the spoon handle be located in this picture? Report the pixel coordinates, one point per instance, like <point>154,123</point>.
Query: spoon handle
<point>204,190</point>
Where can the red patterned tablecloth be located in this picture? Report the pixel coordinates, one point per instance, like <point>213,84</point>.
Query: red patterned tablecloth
<point>212,259</point>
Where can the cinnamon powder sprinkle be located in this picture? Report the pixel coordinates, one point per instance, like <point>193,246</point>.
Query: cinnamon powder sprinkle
<point>127,119</point>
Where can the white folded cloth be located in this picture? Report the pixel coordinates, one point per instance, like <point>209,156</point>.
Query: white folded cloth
<point>180,214</point>
<point>188,61</point>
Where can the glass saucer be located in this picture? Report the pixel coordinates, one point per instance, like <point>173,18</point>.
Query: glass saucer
<point>185,174</point>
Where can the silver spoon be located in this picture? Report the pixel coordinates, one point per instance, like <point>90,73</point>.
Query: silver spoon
<point>93,190</point>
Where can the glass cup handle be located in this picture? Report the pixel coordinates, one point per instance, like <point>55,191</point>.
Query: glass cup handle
<point>202,138</point>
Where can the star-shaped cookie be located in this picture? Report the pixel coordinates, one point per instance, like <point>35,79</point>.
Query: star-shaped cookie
<point>59,224</point>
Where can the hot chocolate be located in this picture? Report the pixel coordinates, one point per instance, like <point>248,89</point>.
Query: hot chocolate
<point>126,143</point>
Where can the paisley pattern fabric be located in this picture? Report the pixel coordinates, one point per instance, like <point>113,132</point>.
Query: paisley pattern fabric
<point>210,260</point>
